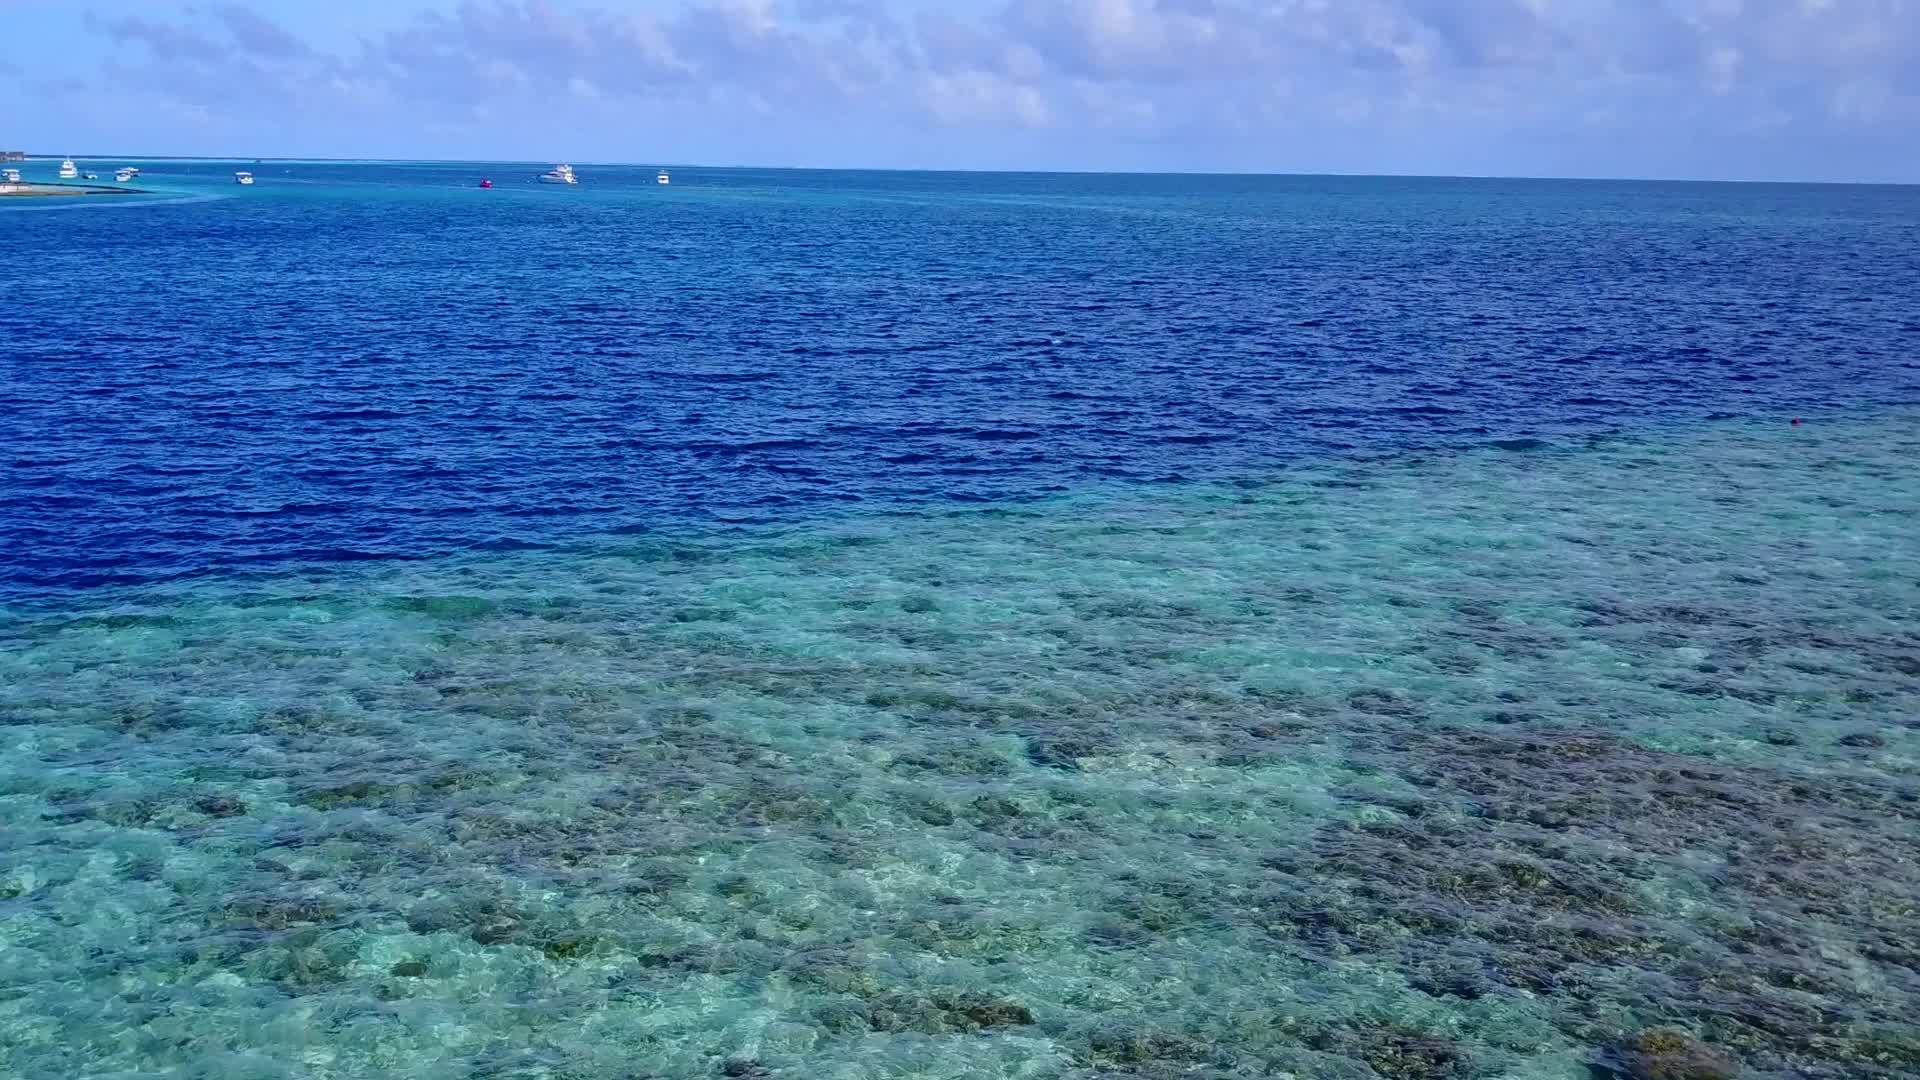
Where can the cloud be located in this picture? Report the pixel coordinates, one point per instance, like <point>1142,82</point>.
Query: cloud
<point>1148,71</point>
<point>258,35</point>
<point>1141,40</point>
<point>166,41</point>
<point>968,96</point>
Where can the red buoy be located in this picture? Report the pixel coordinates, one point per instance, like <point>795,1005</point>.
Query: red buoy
<point>489,183</point>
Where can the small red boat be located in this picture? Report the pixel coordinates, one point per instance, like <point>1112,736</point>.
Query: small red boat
<point>486,183</point>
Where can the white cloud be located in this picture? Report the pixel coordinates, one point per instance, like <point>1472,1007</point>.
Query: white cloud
<point>1160,69</point>
<point>979,96</point>
<point>1723,67</point>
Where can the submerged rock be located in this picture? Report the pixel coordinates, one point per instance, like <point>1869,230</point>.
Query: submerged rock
<point>220,806</point>
<point>1669,1054</point>
<point>940,1013</point>
<point>347,794</point>
<point>1412,1058</point>
<point>1455,982</point>
<point>1059,753</point>
<point>843,1017</point>
<point>1121,1045</point>
<point>569,948</point>
<point>1397,1053</point>
<point>1382,702</point>
<point>279,912</point>
<point>1537,888</point>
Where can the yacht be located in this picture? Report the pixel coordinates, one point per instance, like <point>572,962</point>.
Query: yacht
<point>67,170</point>
<point>663,178</point>
<point>9,176</point>
<point>125,176</point>
<point>245,178</point>
<point>559,174</point>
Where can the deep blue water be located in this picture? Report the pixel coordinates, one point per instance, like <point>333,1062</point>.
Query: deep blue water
<point>352,361</point>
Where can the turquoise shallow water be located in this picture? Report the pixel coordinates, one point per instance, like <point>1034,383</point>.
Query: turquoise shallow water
<point>1457,764</point>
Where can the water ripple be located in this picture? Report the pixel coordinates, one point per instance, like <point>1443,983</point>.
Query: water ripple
<point>379,361</point>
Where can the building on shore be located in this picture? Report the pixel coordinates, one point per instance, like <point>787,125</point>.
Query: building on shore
<point>13,155</point>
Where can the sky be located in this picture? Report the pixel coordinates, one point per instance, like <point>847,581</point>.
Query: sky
<point>1707,89</point>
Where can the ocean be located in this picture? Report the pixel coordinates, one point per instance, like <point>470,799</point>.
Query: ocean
<point>860,625</point>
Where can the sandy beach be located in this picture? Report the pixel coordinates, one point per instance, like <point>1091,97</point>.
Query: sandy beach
<point>31,190</point>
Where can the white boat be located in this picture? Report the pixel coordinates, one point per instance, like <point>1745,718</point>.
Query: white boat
<point>90,176</point>
<point>125,176</point>
<point>9,176</point>
<point>559,174</point>
<point>244,178</point>
<point>67,170</point>
<point>663,178</point>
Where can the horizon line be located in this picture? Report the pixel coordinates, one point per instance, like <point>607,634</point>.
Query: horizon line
<point>32,156</point>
